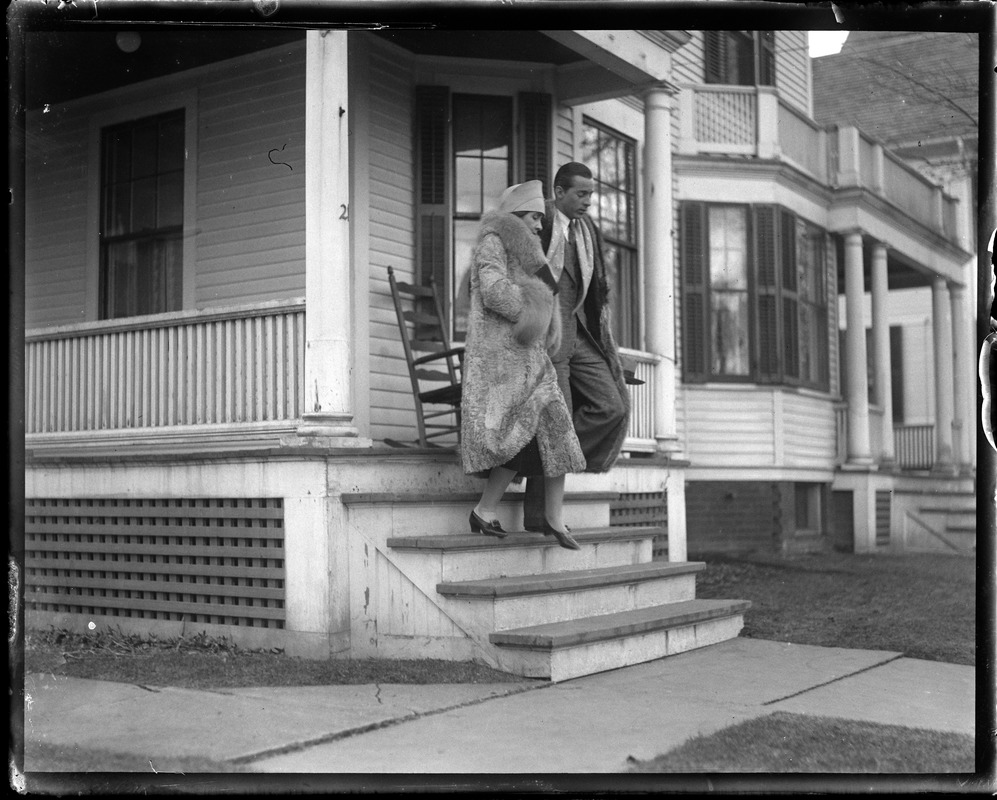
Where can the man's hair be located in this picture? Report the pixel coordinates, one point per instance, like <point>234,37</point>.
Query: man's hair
<point>568,172</point>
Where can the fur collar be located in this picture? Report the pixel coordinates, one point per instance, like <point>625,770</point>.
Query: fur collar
<point>522,246</point>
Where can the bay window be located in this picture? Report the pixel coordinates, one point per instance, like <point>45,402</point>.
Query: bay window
<point>754,295</point>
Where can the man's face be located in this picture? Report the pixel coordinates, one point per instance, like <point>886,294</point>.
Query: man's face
<point>574,201</point>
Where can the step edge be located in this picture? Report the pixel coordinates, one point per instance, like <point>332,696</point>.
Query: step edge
<point>519,585</point>
<point>551,642</point>
<point>525,539</point>
<point>417,498</point>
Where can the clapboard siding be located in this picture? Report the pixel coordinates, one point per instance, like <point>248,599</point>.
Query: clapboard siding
<point>808,431</point>
<point>564,136</point>
<point>55,231</point>
<point>792,69</point>
<point>251,212</point>
<point>392,234</point>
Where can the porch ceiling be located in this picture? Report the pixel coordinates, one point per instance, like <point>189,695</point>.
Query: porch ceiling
<point>63,65</point>
<point>531,46</point>
<point>899,275</point>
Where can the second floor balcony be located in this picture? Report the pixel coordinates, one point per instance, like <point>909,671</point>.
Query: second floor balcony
<point>755,122</point>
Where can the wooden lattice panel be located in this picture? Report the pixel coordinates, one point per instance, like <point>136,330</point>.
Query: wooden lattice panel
<point>205,560</point>
<point>639,510</point>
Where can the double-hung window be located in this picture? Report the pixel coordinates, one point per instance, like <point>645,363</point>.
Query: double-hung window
<point>754,295</point>
<point>612,159</point>
<point>141,217</point>
<point>469,147</point>
<point>740,58</point>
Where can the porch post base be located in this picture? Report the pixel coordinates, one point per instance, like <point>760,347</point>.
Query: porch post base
<point>668,445</point>
<point>944,470</point>
<point>860,464</point>
<point>328,431</point>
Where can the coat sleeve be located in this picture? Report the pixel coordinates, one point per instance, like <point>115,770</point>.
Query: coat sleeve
<point>499,293</point>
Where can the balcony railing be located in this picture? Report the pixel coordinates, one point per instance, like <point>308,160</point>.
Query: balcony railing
<point>640,435</point>
<point>748,120</point>
<point>913,445</point>
<point>235,365</point>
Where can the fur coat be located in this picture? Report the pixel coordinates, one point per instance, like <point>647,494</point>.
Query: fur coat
<point>510,392</point>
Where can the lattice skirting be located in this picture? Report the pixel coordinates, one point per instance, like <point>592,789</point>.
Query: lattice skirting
<point>203,560</point>
<point>641,509</point>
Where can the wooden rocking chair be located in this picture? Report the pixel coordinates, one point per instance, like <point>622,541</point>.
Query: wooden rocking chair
<point>423,330</point>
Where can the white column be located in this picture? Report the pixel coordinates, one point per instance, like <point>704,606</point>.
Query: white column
<point>881,345</point>
<point>328,391</point>
<point>659,264</point>
<point>941,313</point>
<point>964,361</point>
<point>859,452</point>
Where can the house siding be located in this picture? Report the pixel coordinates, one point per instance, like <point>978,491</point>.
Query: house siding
<point>251,209</point>
<point>392,234</point>
<point>249,238</point>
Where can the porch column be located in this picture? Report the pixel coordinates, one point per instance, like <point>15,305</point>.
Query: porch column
<point>881,349</point>
<point>328,391</point>
<point>859,452</point>
<point>941,314</point>
<point>964,360</point>
<point>659,265</point>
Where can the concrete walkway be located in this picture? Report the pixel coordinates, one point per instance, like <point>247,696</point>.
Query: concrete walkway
<point>586,725</point>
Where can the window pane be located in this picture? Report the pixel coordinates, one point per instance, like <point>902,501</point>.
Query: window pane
<point>144,205</point>
<point>466,127</point>
<point>170,200</point>
<point>117,209</point>
<point>117,156</point>
<point>729,332</point>
<point>495,177</point>
<point>728,248</point>
<point>467,172</point>
<point>145,154</point>
<point>171,149</point>
<point>465,235</point>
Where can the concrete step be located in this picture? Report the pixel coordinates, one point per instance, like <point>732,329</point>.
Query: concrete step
<point>585,645</point>
<point>466,557</point>
<point>446,513</point>
<point>495,604</point>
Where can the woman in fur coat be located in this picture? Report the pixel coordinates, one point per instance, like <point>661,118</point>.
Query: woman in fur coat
<point>514,419</point>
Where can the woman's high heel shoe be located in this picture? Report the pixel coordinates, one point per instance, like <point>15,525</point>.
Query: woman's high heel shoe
<point>564,538</point>
<point>493,528</point>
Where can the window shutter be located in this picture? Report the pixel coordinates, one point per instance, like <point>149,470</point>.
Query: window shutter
<point>715,56</point>
<point>790,322</point>
<point>534,138</point>
<point>432,123</point>
<point>693,270</point>
<point>766,58</point>
<point>767,294</point>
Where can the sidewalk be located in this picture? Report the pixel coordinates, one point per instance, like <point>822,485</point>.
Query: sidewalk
<point>587,725</point>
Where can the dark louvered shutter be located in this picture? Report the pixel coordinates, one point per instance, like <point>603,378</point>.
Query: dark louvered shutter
<point>790,322</point>
<point>715,56</point>
<point>432,118</point>
<point>693,270</point>
<point>767,294</point>
<point>534,138</point>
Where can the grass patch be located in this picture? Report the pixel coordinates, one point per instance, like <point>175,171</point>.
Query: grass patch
<point>923,606</point>
<point>204,662</point>
<point>782,742</point>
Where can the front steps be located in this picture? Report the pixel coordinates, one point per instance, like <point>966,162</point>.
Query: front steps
<point>521,604</point>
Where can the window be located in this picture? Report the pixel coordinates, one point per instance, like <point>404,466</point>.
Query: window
<point>468,149</point>
<point>141,220</point>
<point>741,58</point>
<point>754,282</point>
<point>482,166</point>
<point>612,159</point>
<point>809,507</point>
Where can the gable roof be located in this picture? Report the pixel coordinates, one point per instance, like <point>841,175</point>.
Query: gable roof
<point>901,87</point>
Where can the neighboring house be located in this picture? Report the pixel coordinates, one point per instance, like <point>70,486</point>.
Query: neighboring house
<point>213,362</point>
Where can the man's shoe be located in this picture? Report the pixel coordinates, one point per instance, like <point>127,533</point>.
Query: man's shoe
<point>564,537</point>
<point>493,528</point>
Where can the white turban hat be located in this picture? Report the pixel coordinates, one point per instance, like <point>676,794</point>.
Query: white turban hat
<point>527,196</point>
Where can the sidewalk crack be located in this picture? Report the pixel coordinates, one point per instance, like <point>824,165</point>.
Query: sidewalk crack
<point>833,680</point>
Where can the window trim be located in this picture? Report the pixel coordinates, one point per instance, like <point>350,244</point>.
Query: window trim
<point>187,101</point>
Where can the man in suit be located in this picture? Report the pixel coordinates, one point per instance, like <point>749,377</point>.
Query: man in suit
<point>588,365</point>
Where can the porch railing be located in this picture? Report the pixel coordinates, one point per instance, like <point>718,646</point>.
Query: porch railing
<point>232,365</point>
<point>913,445</point>
<point>640,435</point>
